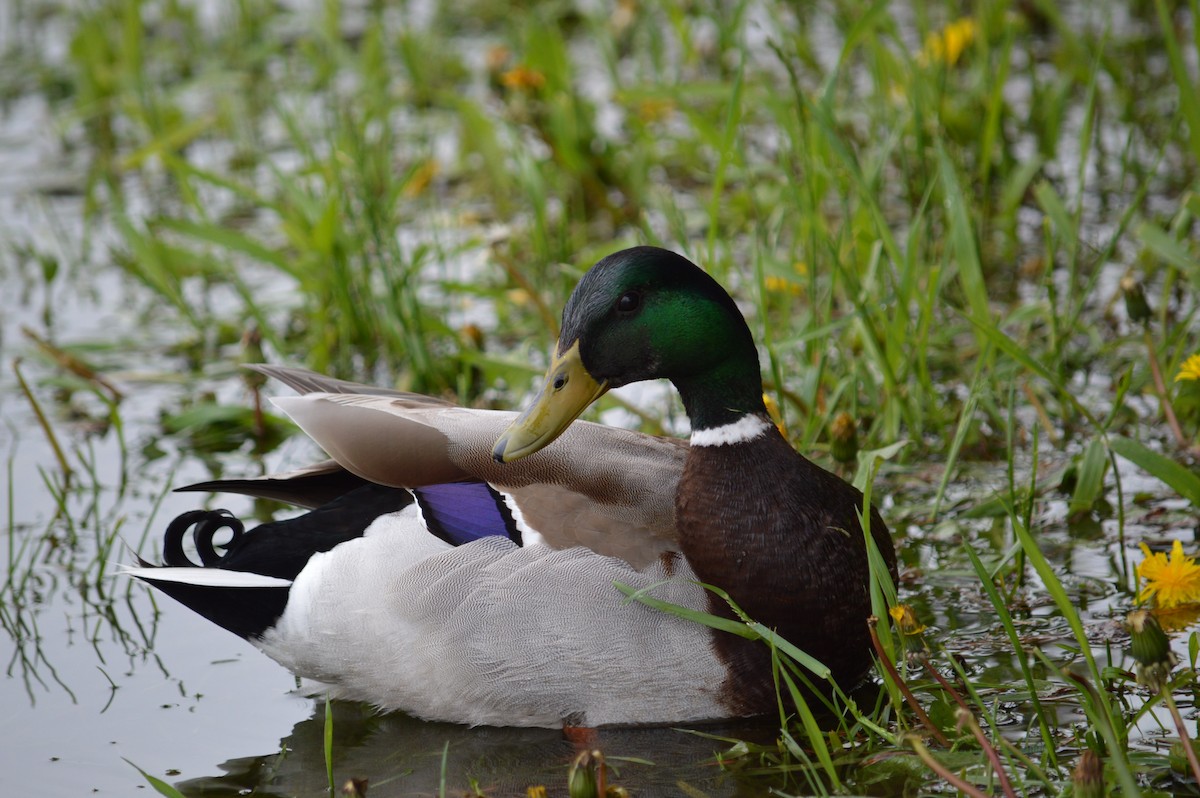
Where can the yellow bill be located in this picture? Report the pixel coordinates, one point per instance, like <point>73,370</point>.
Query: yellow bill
<point>568,390</point>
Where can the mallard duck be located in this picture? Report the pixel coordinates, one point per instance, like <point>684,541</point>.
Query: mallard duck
<point>460,564</point>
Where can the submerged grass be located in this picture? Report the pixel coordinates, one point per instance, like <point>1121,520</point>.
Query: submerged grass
<point>969,233</point>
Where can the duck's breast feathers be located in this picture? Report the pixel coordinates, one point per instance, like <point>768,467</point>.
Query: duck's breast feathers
<point>782,536</point>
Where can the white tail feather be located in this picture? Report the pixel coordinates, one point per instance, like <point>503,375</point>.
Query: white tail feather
<point>205,577</point>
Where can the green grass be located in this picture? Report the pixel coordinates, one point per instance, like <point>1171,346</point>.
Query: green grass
<point>931,245</point>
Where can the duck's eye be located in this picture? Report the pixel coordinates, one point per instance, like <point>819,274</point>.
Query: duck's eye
<point>629,302</point>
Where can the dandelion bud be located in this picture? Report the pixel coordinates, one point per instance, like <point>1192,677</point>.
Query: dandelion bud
<point>1135,300</point>
<point>843,433</point>
<point>1088,776</point>
<point>581,779</point>
<point>355,788</point>
<point>1150,648</point>
<point>252,352</point>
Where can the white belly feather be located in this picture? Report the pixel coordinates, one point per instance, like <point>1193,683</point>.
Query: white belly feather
<point>489,633</point>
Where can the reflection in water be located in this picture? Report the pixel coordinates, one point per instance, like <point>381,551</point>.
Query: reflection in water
<point>63,566</point>
<point>404,756</point>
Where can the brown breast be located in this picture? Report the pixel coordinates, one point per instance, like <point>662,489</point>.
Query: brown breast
<point>782,537</point>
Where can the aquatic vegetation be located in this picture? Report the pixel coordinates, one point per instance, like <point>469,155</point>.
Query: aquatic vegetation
<point>993,330</point>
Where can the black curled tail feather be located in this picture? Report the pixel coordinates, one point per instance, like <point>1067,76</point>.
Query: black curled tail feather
<point>279,549</point>
<point>204,525</point>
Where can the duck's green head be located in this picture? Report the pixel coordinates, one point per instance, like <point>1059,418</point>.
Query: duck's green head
<point>640,314</point>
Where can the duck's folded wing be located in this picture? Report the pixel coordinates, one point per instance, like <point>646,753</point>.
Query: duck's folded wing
<point>608,489</point>
<point>303,381</point>
<point>320,483</point>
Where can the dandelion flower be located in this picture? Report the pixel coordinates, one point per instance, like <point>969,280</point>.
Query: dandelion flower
<point>523,78</point>
<point>420,179</point>
<point>654,109</point>
<point>947,45</point>
<point>1169,581</point>
<point>775,414</point>
<point>782,285</point>
<point>906,619</point>
<point>1190,370</point>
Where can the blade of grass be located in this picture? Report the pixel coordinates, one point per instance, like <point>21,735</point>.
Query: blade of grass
<point>327,745</point>
<point>160,786</point>
<point>733,116</point>
<point>1005,618</point>
<point>748,629</point>
<point>1189,92</point>
<point>1175,475</point>
<point>1109,721</point>
<point>812,729</point>
<point>962,240</point>
<point>1089,481</point>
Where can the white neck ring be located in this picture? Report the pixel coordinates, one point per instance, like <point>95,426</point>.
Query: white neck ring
<point>746,428</point>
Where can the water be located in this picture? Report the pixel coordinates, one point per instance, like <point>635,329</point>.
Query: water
<point>101,673</point>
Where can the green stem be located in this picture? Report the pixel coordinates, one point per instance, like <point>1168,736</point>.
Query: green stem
<point>941,770</point>
<point>1188,750</point>
<point>899,682</point>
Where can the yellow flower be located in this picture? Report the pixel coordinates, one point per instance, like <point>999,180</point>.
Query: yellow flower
<point>420,179</point>
<point>523,78</point>
<point>654,109</point>
<point>1190,370</point>
<point>1170,582</point>
<point>774,413</point>
<point>519,297</point>
<point>947,45</point>
<point>906,619</point>
<point>782,285</point>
